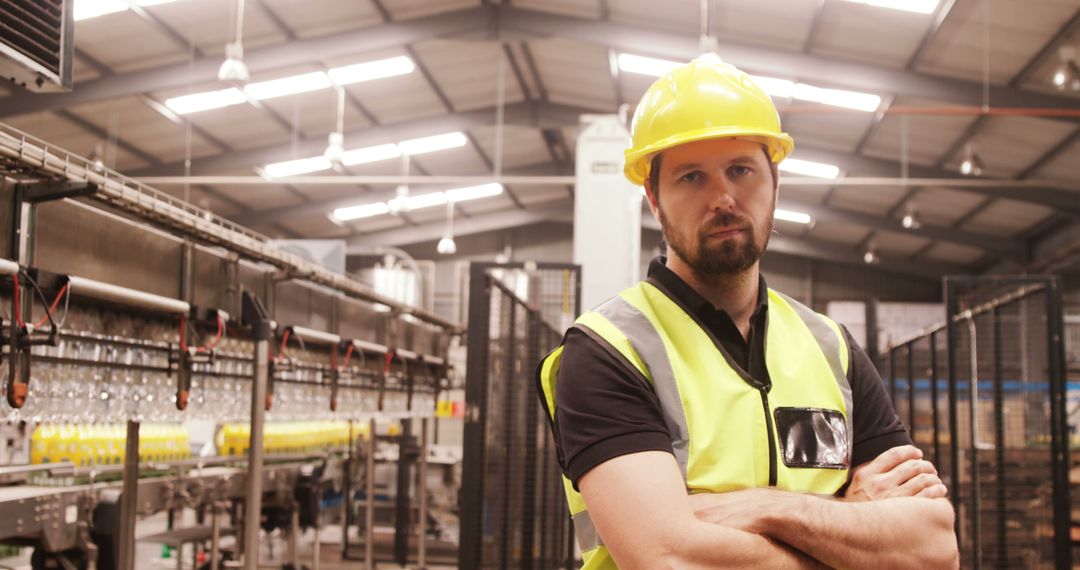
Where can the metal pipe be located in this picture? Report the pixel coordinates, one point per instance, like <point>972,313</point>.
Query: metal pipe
<point>253,511</point>
<point>973,425</point>
<point>369,500</point>
<point>315,336</point>
<point>374,180</point>
<point>8,267</point>
<point>406,354</point>
<point>129,498</point>
<point>316,549</point>
<point>215,535</point>
<point>294,538</point>
<point>124,296</point>
<point>432,360</point>
<point>421,489</point>
<point>370,346</point>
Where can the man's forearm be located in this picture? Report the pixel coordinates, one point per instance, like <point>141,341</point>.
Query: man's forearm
<point>708,546</point>
<point>905,532</point>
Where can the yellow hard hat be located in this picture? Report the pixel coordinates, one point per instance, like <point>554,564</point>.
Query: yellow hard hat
<point>703,99</point>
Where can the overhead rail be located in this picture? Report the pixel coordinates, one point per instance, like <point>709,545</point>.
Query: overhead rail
<point>540,180</point>
<point>36,157</point>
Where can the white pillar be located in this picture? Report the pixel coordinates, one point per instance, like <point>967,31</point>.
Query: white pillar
<point>607,212</point>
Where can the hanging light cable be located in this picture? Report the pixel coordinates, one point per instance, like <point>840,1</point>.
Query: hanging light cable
<point>971,165</point>
<point>1067,75</point>
<point>233,68</point>
<point>446,245</point>
<point>707,42</point>
<point>401,193</point>
<point>336,147</point>
<point>870,257</point>
<point>911,219</point>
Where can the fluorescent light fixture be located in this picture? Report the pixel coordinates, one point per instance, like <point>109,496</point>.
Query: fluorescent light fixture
<point>298,166</point>
<point>474,192</point>
<point>917,6</point>
<point>370,154</point>
<point>86,9</point>
<point>361,211</point>
<point>416,202</point>
<point>792,216</point>
<point>809,168</point>
<point>837,97</point>
<point>775,87</point>
<point>645,65</point>
<point>288,85</point>
<point>432,143</point>
<point>205,101</point>
<point>779,88</point>
<point>423,200</point>
<point>367,71</point>
<point>364,155</point>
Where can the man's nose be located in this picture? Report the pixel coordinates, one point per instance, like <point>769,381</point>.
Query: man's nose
<point>721,196</point>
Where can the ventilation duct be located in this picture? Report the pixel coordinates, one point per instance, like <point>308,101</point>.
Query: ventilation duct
<point>37,43</point>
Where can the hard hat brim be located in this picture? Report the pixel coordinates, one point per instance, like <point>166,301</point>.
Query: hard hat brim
<point>638,161</point>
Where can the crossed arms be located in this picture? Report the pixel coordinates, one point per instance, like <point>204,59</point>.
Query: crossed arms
<point>893,515</point>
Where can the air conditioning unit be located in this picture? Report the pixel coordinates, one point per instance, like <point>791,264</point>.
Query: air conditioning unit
<point>329,253</point>
<point>37,43</point>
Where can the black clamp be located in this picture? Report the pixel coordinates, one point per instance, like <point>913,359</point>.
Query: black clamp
<point>187,357</point>
<point>21,336</point>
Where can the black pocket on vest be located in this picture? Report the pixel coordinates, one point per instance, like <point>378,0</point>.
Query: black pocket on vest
<point>813,437</point>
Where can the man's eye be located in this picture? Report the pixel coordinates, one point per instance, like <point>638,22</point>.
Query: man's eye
<point>740,171</point>
<point>695,176</point>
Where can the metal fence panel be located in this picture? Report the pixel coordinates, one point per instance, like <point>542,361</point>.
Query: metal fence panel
<point>513,514</point>
<point>984,396</point>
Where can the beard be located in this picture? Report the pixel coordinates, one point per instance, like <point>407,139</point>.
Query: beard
<point>712,258</point>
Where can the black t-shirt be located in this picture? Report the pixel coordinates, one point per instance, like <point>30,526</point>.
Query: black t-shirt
<point>603,410</point>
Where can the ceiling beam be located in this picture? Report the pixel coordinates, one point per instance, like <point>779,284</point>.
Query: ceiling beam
<point>940,15</point>
<point>522,114</point>
<point>771,61</point>
<point>1066,201</point>
<point>562,212</point>
<point>550,115</point>
<point>204,69</point>
<point>514,22</point>
<point>480,223</point>
<point>271,215</point>
<point>1007,248</point>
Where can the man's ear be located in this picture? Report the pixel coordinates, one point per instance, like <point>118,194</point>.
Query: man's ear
<point>650,196</point>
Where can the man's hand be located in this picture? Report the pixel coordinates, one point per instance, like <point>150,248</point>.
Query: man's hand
<point>899,472</point>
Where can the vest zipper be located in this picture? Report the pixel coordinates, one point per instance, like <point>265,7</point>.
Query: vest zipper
<point>772,438</point>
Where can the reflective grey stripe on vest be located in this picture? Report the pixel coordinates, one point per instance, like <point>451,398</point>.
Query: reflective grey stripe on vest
<point>585,531</point>
<point>830,346</point>
<point>647,344</point>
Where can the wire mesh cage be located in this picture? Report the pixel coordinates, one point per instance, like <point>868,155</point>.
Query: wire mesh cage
<point>984,397</point>
<point>512,510</point>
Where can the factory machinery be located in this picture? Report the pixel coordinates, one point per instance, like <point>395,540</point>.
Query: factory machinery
<point>129,316</point>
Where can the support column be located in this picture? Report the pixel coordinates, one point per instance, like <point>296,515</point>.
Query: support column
<point>129,498</point>
<point>253,511</point>
<point>607,212</point>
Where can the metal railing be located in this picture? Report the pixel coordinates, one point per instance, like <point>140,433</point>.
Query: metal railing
<point>984,396</point>
<point>28,157</point>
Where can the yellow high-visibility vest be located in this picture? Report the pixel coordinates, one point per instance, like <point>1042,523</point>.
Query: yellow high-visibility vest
<point>728,431</point>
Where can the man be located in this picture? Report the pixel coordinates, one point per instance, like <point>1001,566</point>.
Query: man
<point>706,421</point>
